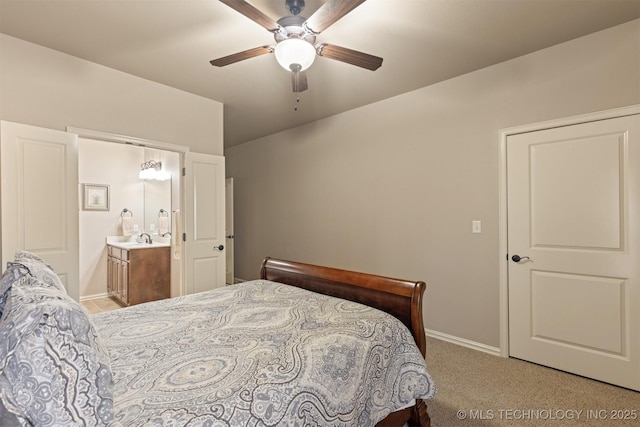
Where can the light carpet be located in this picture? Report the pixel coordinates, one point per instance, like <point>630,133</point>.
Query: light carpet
<point>479,389</point>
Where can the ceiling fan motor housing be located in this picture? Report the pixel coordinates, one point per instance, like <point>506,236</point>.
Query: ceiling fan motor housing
<point>291,27</point>
<point>294,6</point>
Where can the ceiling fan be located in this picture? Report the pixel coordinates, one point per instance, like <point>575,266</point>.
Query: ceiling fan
<point>295,37</point>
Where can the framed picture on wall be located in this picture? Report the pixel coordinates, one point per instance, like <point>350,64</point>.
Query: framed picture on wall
<point>96,197</point>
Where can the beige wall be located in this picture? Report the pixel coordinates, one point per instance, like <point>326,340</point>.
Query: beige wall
<point>392,187</point>
<point>46,88</point>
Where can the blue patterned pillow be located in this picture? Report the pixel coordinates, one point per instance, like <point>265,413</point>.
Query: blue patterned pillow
<point>27,263</point>
<point>54,370</point>
<point>8,419</point>
<point>9,277</point>
<point>39,268</point>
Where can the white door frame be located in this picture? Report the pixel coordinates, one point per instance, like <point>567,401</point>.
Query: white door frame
<point>229,226</point>
<point>123,139</point>
<point>147,143</point>
<point>503,249</point>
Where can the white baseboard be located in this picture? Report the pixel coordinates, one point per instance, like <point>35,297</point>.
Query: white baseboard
<point>463,342</point>
<point>94,296</point>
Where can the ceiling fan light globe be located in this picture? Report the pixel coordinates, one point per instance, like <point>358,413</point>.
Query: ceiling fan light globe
<point>295,51</point>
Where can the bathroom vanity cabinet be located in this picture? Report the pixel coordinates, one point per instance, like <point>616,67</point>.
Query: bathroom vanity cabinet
<point>139,274</point>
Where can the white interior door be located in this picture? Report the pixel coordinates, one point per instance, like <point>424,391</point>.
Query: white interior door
<point>40,197</point>
<point>573,210</point>
<point>204,222</point>
<point>229,233</point>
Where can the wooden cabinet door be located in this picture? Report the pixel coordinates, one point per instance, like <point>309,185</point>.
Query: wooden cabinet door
<point>117,271</point>
<point>110,276</point>
<point>124,281</point>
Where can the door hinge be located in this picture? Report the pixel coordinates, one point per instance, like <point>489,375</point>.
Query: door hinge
<point>184,171</point>
<point>184,237</point>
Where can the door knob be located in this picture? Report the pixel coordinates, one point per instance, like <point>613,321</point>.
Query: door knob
<point>218,248</point>
<point>518,258</point>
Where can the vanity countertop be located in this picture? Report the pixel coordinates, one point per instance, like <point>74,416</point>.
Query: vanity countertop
<point>122,243</point>
<point>136,245</point>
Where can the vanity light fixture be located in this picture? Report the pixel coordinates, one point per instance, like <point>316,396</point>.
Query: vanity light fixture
<point>149,170</point>
<point>153,170</point>
<point>162,175</point>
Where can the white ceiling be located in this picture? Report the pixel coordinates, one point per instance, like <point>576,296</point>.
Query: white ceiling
<point>422,42</point>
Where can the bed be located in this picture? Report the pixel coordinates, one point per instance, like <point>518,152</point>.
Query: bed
<point>303,345</point>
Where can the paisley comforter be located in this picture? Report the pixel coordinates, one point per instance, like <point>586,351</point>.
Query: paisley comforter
<point>260,353</point>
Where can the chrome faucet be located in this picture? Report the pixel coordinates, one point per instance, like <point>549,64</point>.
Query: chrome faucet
<point>166,234</point>
<point>147,239</point>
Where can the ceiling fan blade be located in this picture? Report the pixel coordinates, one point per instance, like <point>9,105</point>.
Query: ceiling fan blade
<point>299,81</point>
<point>252,13</point>
<point>241,56</point>
<point>349,56</point>
<point>329,13</point>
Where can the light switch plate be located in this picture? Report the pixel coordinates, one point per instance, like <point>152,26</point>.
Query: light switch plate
<point>476,226</point>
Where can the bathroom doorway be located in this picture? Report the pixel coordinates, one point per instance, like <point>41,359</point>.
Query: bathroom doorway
<point>117,164</point>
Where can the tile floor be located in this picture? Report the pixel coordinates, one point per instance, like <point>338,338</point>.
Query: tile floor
<point>100,305</point>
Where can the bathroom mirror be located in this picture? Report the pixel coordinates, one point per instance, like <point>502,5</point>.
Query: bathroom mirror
<point>157,196</point>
